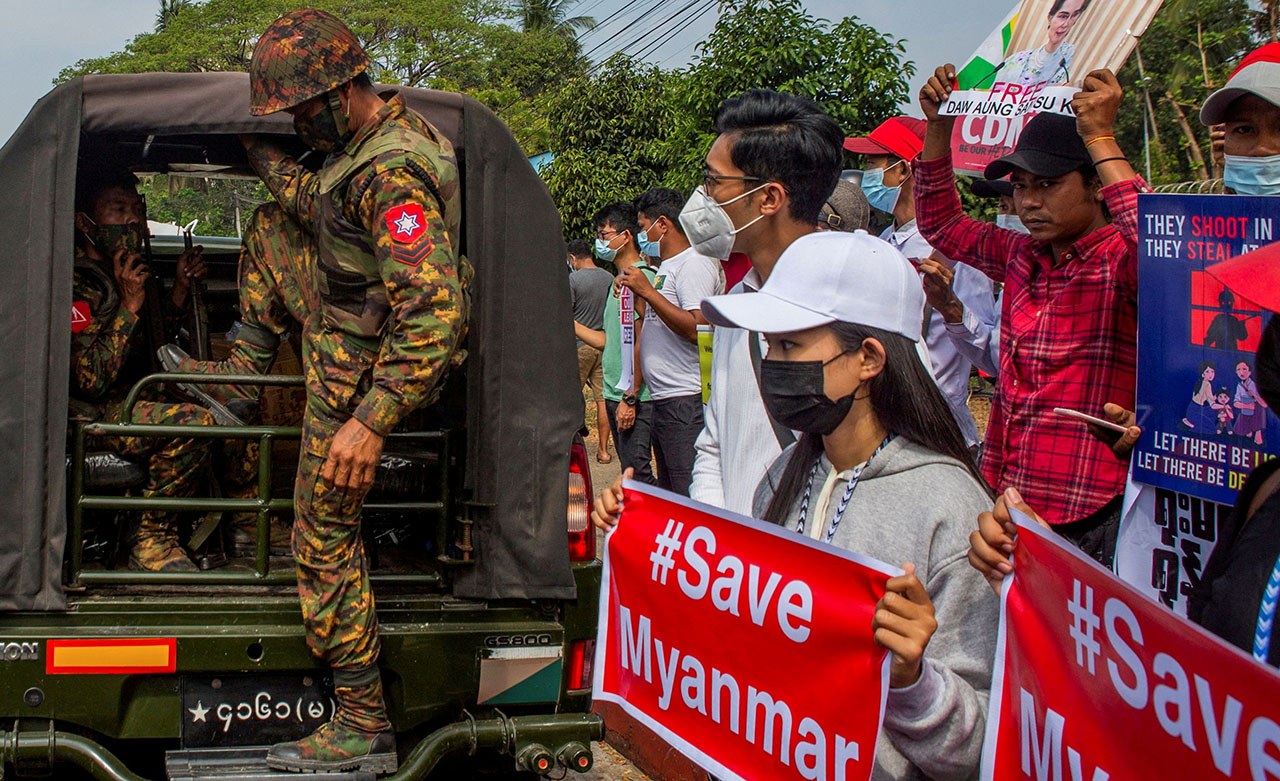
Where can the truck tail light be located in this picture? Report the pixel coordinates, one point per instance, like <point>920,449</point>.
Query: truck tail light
<point>582,657</point>
<point>582,535</point>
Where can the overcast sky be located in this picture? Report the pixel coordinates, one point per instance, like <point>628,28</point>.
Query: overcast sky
<point>39,39</point>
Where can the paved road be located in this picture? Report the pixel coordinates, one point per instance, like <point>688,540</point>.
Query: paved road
<point>610,766</point>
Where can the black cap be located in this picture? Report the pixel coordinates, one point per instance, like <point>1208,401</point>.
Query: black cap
<point>991,188</point>
<point>1049,146</point>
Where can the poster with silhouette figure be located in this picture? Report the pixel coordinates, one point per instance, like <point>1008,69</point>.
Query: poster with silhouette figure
<point>1205,427</point>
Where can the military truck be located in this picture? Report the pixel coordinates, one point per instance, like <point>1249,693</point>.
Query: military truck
<point>482,557</point>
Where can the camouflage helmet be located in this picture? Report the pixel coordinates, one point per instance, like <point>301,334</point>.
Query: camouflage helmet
<point>301,55</point>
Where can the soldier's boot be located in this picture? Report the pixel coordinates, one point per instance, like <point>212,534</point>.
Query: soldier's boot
<point>359,737</point>
<point>156,549</point>
<point>215,398</point>
<point>244,536</point>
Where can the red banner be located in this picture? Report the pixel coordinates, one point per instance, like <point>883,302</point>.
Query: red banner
<point>1095,681</point>
<point>746,646</point>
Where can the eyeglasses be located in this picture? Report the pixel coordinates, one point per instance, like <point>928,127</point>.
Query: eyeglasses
<point>603,236</point>
<point>710,177</point>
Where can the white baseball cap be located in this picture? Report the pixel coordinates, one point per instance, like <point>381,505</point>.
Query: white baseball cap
<point>829,277</point>
<point>1257,74</point>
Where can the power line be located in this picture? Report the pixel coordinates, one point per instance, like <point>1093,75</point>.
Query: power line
<point>501,111</point>
<point>691,11</point>
<point>678,28</point>
<point>607,20</point>
<point>653,6</point>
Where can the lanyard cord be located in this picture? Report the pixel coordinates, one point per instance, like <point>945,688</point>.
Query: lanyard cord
<point>848,492</point>
<point>1267,615</point>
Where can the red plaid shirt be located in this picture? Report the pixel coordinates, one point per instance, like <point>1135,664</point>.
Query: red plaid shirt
<point>1068,338</point>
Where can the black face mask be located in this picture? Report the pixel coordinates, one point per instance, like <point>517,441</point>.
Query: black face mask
<point>1266,365</point>
<point>326,130</point>
<point>793,394</point>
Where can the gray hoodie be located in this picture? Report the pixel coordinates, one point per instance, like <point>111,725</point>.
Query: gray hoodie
<point>912,504</point>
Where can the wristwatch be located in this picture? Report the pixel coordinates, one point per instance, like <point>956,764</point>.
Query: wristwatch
<point>630,399</point>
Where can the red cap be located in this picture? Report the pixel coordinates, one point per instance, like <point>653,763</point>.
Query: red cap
<point>1254,275</point>
<point>1268,53</point>
<point>901,136</point>
<point>1257,74</point>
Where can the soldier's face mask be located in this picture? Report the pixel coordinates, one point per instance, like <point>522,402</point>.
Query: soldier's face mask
<point>111,239</point>
<point>326,130</point>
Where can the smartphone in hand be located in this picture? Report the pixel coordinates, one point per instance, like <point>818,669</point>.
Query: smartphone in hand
<point>1085,418</point>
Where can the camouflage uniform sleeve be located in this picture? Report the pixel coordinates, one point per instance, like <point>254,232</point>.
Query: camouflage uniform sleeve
<point>100,348</point>
<point>294,187</point>
<point>419,266</point>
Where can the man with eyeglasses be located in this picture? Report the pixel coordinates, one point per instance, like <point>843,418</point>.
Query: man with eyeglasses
<point>774,163</point>
<point>628,404</point>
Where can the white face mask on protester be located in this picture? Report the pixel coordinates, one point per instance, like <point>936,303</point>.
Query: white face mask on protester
<point>1011,222</point>
<point>707,225</point>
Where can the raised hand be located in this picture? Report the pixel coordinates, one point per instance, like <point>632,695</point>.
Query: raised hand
<point>131,279</point>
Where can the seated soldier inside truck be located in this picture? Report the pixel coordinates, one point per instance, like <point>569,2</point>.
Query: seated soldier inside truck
<point>109,345</point>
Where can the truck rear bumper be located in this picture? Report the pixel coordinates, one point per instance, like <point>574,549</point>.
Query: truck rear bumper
<point>518,736</point>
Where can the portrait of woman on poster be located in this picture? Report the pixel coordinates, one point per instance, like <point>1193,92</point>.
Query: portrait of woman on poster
<point>1051,62</point>
<point>1251,410</point>
<point>1200,414</point>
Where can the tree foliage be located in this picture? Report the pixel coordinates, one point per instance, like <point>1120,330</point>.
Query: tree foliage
<point>1188,52</point>
<point>461,45</point>
<point>608,133</point>
<point>853,71</point>
<point>212,201</point>
<point>630,126</point>
<point>552,16</point>
<point>409,41</point>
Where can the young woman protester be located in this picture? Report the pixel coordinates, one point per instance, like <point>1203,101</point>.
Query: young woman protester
<point>880,469</point>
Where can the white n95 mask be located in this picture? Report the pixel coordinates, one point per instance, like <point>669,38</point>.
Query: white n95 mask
<point>708,227</point>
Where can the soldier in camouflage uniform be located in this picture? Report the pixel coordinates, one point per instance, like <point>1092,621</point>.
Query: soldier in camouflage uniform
<point>108,354</point>
<point>368,247</point>
<point>271,304</point>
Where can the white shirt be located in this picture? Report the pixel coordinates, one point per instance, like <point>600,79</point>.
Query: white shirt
<point>950,368</point>
<point>669,361</point>
<point>737,443</point>
<point>979,341</point>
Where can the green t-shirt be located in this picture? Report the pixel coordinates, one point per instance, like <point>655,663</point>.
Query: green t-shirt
<point>611,360</point>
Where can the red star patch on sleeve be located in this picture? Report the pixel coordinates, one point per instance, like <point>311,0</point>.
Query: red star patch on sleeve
<point>410,242</point>
<point>80,316</point>
<point>407,222</point>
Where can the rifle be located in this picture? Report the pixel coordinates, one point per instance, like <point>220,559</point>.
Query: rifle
<point>199,315</point>
<point>156,337</point>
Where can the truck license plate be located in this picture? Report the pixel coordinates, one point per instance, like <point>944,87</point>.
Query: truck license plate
<point>248,710</point>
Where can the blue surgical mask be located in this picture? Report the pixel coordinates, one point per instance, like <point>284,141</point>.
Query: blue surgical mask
<point>1252,175</point>
<point>1011,222</point>
<point>651,248</point>
<point>878,194</point>
<point>604,251</point>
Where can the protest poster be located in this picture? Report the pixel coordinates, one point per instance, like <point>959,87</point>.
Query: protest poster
<point>1165,541</point>
<point>706,341</point>
<point>1034,61</point>
<point>1204,425</point>
<point>1095,681</point>
<point>708,621</point>
<point>627,333</point>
